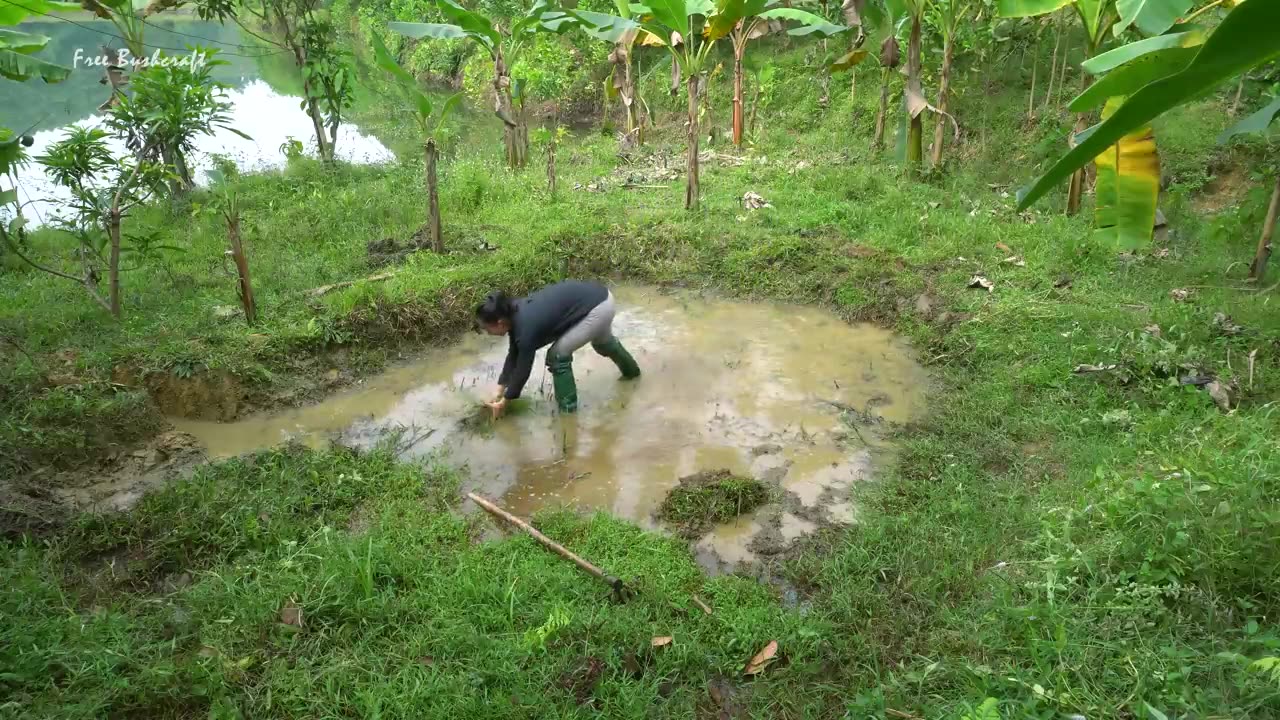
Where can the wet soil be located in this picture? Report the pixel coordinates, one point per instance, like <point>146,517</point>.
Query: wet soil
<point>790,396</point>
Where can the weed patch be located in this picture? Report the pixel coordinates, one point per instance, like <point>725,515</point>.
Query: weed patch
<point>707,498</point>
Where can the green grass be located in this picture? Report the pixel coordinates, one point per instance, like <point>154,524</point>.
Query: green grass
<point>699,502</point>
<point>1101,545</point>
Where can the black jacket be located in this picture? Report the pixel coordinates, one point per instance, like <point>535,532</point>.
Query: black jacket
<point>540,319</point>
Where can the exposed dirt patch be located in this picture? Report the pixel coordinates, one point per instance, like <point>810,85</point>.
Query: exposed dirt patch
<point>45,499</point>
<point>389,251</point>
<point>209,395</point>
<point>1227,188</point>
<point>582,680</point>
<point>703,499</point>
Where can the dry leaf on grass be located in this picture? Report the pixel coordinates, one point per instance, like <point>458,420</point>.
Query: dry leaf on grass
<point>1003,248</point>
<point>978,282</point>
<point>1082,369</point>
<point>753,201</point>
<point>1152,330</point>
<point>1181,294</point>
<point>661,641</point>
<point>291,614</point>
<point>1221,395</point>
<point>761,659</point>
<point>1015,260</point>
<point>1062,282</point>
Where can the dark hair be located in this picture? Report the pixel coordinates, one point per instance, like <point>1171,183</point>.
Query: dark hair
<point>494,308</point>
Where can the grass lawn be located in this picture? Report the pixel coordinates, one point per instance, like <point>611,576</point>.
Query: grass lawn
<point>1049,544</point>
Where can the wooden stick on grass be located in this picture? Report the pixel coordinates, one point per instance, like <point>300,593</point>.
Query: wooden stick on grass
<point>620,591</point>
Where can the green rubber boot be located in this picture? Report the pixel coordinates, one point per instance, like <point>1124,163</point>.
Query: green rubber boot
<point>562,381</point>
<point>613,349</point>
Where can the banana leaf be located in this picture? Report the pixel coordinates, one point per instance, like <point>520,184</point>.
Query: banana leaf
<point>1128,186</point>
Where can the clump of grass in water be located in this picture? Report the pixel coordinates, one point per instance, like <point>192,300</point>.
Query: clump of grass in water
<point>704,499</point>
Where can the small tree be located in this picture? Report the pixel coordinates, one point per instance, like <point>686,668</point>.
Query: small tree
<point>622,75</point>
<point>429,123</point>
<point>103,190</point>
<point>744,20</point>
<point>1249,36</point>
<point>172,104</point>
<point>504,48</point>
<point>949,14</point>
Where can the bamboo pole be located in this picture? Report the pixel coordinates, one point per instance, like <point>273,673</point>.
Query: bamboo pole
<point>620,590</point>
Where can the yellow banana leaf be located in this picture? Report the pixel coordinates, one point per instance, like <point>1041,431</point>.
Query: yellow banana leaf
<point>1128,186</point>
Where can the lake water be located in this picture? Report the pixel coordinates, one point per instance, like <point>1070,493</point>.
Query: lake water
<point>264,91</point>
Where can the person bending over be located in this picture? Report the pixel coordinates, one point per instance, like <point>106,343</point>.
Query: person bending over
<point>566,315</point>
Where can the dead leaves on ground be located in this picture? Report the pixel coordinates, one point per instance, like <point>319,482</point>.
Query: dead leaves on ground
<point>291,614</point>
<point>761,659</point>
<point>661,641</point>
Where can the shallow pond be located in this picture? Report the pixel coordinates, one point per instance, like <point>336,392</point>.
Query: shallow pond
<point>264,93</point>
<point>773,391</point>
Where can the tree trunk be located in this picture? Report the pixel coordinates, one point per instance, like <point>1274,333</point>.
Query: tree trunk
<point>175,182</point>
<point>1259,267</point>
<point>915,133</point>
<point>881,116</point>
<point>1075,190</point>
<point>433,199</point>
<point>739,49</point>
<point>1035,69</point>
<point>113,263</point>
<point>184,172</point>
<point>691,180</point>
<point>551,165</point>
<point>516,142</point>
<point>1053,68</point>
<point>313,110</point>
<point>944,83</point>
<point>242,267</point>
<point>1235,104</point>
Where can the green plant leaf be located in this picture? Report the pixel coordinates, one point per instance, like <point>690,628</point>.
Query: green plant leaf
<point>1152,17</point>
<point>433,31</point>
<point>1128,186</point>
<point>1028,8</point>
<point>21,42</point>
<point>16,66</point>
<point>809,23</point>
<point>1257,122</point>
<point>1248,37</point>
<point>729,12</point>
<point>1128,78</point>
<point>12,13</point>
<point>603,26</point>
<point>1112,59</point>
<point>478,26</point>
<point>8,197</point>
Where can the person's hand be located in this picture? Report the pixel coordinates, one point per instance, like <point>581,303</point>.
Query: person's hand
<point>498,407</point>
<point>499,393</point>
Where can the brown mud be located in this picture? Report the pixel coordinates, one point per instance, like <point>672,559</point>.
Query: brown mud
<point>791,396</point>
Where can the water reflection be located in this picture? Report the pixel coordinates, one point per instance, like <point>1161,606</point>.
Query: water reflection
<point>264,96</point>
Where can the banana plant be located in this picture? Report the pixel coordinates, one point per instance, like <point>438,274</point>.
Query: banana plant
<point>1249,36</point>
<point>1256,123</point>
<point>744,20</point>
<point>429,123</point>
<point>949,14</point>
<point>623,74</point>
<point>913,11</point>
<point>1097,17</point>
<point>677,26</point>
<point>503,47</point>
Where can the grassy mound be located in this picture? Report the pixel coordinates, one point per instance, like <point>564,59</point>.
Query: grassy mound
<point>707,498</point>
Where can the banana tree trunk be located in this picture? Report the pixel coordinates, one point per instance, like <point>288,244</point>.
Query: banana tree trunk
<point>1075,190</point>
<point>113,262</point>
<point>915,133</point>
<point>433,199</point>
<point>505,110</point>
<point>944,84</point>
<point>1259,267</point>
<point>881,116</point>
<point>739,49</point>
<point>691,187</point>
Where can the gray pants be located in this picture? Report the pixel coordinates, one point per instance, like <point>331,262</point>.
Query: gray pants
<point>595,328</point>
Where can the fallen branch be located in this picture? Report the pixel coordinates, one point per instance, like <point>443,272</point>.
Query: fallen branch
<point>323,289</point>
<point>620,591</point>
<point>701,605</point>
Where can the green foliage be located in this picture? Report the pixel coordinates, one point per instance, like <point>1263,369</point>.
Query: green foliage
<point>1248,37</point>
<point>701,501</point>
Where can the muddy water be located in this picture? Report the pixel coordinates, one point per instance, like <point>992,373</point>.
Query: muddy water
<point>761,389</point>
